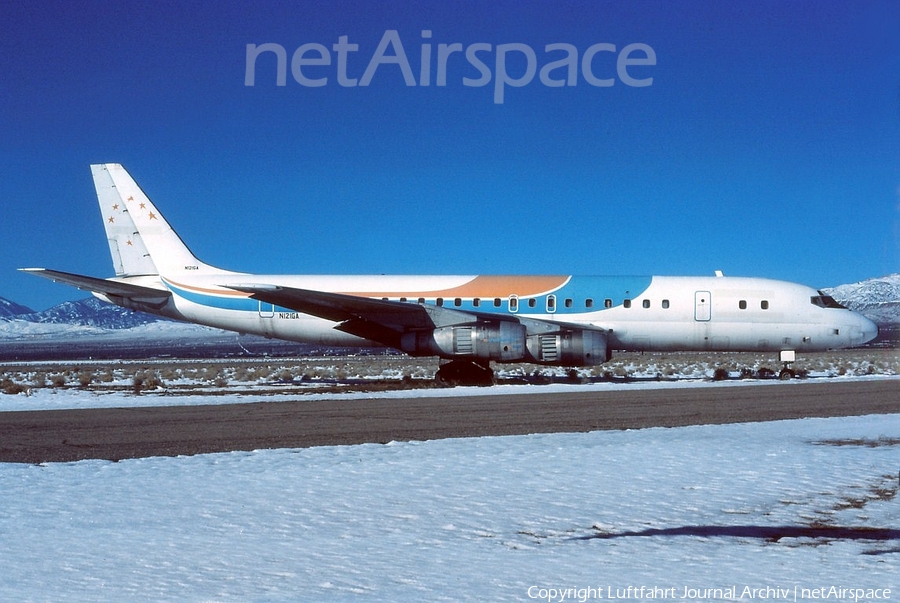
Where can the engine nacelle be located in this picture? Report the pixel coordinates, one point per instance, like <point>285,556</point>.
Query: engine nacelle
<point>502,341</point>
<point>569,348</point>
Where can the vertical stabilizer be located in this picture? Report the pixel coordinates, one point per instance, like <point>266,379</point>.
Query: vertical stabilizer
<point>141,242</point>
<point>129,254</point>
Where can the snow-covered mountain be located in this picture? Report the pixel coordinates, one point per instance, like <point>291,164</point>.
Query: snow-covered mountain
<point>90,312</point>
<point>9,309</point>
<point>877,298</point>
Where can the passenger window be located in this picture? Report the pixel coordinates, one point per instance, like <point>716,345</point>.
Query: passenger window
<point>403,299</point>
<point>742,304</point>
<point>764,304</point>
<point>439,302</point>
<point>646,303</point>
<point>497,302</point>
<point>551,303</point>
<point>532,302</point>
<point>421,300</point>
<point>568,303</point>
<point>513,303</point>
<point>476,302</point>
<point>589,303</point>
<point>665,304</point>
<point>607,303</point>
<point>457,302</point>
<point>627,303</point>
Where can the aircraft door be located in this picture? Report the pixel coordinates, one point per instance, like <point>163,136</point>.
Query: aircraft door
<point>702,306</point>
<point>266,310</point>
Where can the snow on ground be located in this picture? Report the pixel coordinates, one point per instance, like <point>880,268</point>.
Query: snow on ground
<point>478,519</point>
<point>48,398</point>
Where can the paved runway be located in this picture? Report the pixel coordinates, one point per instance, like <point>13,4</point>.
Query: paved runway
<point>114,434</point>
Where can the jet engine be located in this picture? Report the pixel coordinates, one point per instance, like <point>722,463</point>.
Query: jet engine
<point>503,341</point>
<point>573,347</point>
<point>506,341</point>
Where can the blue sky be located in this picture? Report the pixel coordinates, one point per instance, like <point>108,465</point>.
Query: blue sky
<point>768,143</point>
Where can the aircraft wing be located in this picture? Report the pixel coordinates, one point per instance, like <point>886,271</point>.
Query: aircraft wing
<point>375,319</point>
<point>381,320</point>
<point>100,285</point>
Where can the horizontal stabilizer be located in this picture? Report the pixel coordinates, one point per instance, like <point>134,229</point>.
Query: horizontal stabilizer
<point>100,285</point>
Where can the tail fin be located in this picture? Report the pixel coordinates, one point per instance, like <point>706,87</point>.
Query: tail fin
<point>141,242</point>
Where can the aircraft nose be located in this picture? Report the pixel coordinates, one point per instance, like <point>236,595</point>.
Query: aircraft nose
<point>863,330</point>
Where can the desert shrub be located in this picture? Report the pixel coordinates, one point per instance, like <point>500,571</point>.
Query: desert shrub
<point>39,379</point>
<point>153,381</point>
<point>209,373</point>
<point>8,386</point>
<point>720,374</point>
<point>144,380</point>
<point>58,380</point>
<point>85,378</point>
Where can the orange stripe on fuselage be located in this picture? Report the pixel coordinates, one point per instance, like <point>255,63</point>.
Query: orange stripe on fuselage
<point>217,291</point>
<point>485,286</point>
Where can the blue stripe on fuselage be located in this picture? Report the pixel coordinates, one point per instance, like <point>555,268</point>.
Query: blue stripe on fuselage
<point>220,302</point>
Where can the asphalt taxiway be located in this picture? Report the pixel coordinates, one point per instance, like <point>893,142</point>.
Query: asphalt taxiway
<point>120,433</point>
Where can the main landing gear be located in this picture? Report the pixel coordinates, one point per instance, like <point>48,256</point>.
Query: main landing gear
<point>787,359</point>
<point>465,372</point>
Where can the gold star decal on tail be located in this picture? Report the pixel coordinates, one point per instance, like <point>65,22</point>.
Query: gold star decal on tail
<point>116,207</point>
<point>111,219</point>
<point>152,216</point>
<point>143,205</point>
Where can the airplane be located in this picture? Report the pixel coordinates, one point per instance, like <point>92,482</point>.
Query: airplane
<point>469,321</point>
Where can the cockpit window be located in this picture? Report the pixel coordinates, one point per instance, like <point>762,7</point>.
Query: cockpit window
<point>825,301</point>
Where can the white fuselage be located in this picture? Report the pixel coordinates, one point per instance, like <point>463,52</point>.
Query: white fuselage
<point>640,313</point>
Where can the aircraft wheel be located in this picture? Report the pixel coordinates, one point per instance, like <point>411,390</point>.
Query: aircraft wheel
<point>465,372</point>
<point>786,374</point>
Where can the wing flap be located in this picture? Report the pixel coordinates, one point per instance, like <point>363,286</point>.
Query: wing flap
<point>376,319</point>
